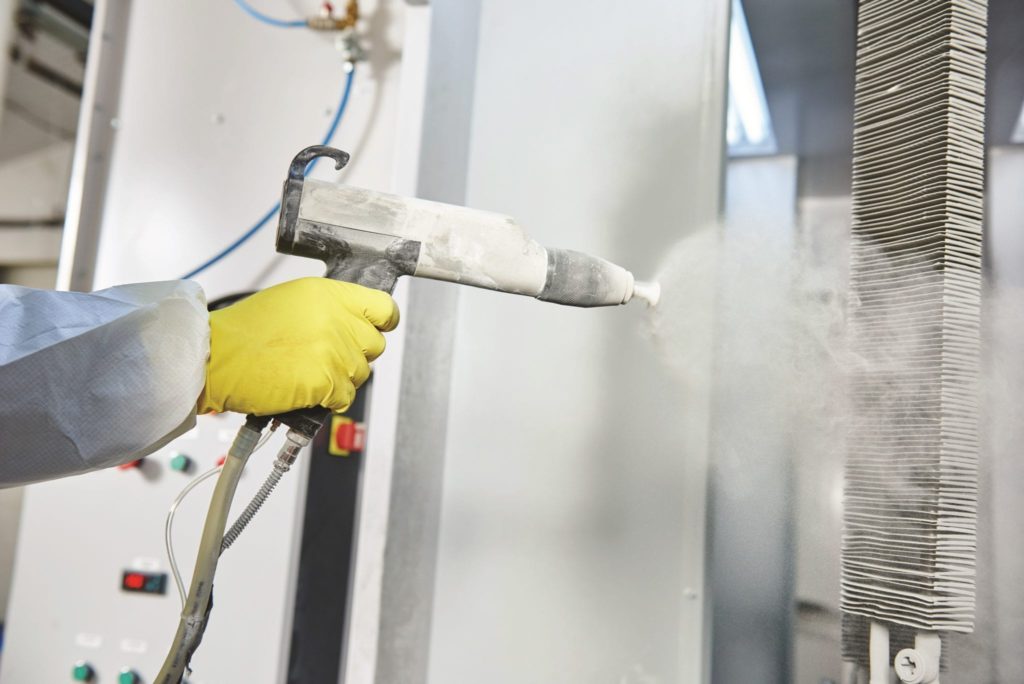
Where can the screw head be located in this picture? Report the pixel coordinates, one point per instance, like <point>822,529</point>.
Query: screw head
<point>909,666</point>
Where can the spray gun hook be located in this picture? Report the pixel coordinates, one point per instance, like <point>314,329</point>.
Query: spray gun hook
<point>297,171</point>
<point>292,194</point>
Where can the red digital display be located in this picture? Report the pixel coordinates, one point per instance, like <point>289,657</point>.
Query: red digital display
<point>144,582</point>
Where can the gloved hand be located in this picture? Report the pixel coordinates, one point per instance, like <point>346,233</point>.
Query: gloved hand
<point>303,343</point>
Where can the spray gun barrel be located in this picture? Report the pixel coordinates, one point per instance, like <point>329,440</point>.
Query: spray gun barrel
<point>373,238</point>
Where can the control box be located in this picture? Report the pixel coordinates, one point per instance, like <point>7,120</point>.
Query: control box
<point>92,581</point>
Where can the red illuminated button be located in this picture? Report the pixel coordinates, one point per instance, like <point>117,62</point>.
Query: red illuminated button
<point>220,461</point>
<point>347,437</point>
<point>144,582</point>
<point>134,580</point>
<point>137,463</point>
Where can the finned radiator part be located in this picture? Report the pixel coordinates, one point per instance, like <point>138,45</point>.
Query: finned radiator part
<point>915,306</point>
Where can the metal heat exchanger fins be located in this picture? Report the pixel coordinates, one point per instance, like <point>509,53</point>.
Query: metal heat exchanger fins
<point>915,281</point>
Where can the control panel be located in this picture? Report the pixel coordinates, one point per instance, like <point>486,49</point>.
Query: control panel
<point>94,600</point>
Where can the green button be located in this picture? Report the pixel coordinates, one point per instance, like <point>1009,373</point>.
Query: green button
<point>127,677</point>
<point>82,672</point>
<point>181,463</point>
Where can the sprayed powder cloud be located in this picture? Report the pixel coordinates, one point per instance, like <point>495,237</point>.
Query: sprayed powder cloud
<point>747,318</point>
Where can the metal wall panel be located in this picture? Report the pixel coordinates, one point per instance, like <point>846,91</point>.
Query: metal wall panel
<point>573,519</point>
<point>752,502</point>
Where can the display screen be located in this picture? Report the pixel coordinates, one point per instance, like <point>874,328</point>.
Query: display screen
<point>144,582</point>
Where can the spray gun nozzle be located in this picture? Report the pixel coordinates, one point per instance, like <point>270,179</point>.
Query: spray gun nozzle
<point>649,292</point>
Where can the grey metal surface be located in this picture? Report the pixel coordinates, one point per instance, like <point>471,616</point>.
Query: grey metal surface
<point>411,550</point>
<point>411,555</point>
<point>1004,628</point>
<point>823,240</point>
<point>752,475</point>
<point>390,623</point>
<point>97,125</point>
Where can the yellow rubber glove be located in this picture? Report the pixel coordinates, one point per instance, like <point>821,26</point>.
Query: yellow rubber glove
<point>303,343</point>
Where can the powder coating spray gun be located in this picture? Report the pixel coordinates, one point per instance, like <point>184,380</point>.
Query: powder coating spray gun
<point>372,239</point>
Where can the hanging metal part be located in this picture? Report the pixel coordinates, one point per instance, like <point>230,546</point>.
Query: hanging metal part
<point>910,495</point>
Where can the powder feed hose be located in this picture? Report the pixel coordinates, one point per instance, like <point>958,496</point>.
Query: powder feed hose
<point>196,613</point>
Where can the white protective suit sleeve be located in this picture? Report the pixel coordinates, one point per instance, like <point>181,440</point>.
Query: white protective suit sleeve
<point>93,380</point>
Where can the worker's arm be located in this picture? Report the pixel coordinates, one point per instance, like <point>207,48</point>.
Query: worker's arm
<point>94,380</point>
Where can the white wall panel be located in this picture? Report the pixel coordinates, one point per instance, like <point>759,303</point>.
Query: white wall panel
<point>572,536</point>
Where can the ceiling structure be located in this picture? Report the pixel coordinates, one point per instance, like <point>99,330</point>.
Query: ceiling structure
<point>806,52</point>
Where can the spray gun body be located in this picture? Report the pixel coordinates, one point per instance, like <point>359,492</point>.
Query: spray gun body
<point>373,238</point>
